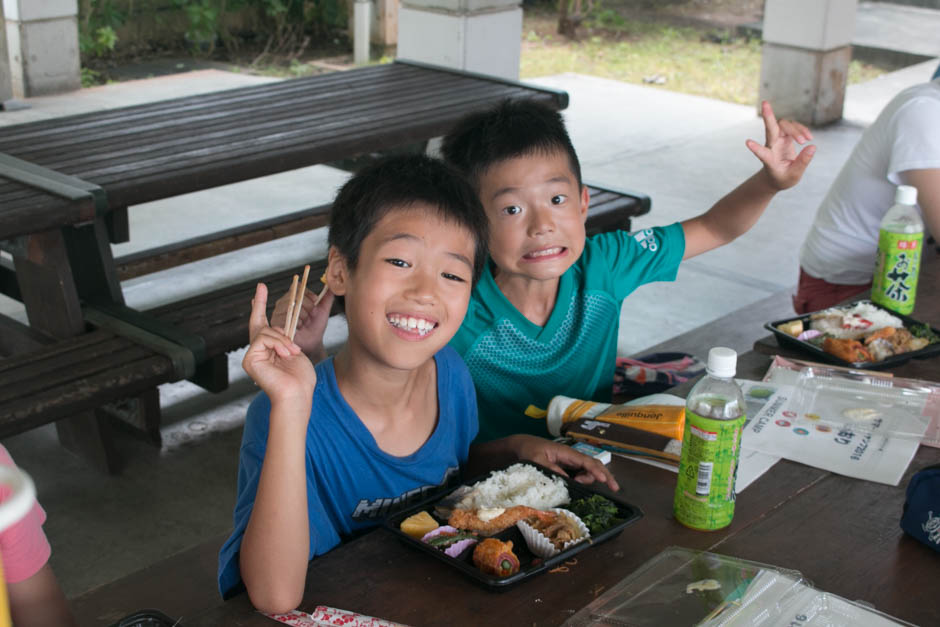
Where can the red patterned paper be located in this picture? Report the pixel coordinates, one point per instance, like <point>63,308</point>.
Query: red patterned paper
<point>325,616</point>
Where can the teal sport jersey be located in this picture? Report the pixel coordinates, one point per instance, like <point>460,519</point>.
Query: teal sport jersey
<point>515,363</point>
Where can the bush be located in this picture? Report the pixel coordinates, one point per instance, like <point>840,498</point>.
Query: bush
<point>282,27</point>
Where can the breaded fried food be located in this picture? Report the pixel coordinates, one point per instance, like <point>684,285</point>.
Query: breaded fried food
<point>848,350</point>
<point>483,521</point>
<point>496,558</point>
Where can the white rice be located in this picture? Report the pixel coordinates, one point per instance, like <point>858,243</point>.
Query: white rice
<point>846,322</point>
<point>520,484</point>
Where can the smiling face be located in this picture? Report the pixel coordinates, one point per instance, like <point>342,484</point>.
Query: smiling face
<point>409,291</point>
<point>536,211</point>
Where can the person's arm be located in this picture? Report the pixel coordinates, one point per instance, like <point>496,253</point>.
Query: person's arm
<point>311,323</point>
<point>504,451</point>
<point>38,601</point>
<point>273,556</point>
<point>927,183</point>
<point>737,212</point>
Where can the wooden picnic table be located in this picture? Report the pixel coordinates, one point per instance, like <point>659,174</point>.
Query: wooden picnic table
<point>66,183</point>
<point>842,534</point>
<point>162,149</point>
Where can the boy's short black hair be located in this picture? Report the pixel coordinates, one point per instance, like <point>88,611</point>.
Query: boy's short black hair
<point>514,128</point>
<point>399,182</point>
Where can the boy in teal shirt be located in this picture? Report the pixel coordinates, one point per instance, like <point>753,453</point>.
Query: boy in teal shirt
<point>543,319</point>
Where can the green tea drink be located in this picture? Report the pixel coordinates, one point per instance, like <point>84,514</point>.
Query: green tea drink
<point>711,446</point>
<point>900,241</point>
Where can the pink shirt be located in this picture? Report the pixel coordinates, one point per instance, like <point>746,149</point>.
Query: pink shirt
<point>23,546</point>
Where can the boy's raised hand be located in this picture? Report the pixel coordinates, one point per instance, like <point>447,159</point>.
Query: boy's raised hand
<point>783,166</point>
<point>311,323</point>
<point>275,363</point>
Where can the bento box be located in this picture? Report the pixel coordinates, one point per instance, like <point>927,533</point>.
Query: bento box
<point>860,334</point>
<point>541,537</point>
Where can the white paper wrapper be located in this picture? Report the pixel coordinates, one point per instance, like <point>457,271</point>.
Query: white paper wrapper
<point>542,546</point>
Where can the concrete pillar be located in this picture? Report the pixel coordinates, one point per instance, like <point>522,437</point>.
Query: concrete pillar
<point>383,26</point>
<point>805,60</point>
<point>42,46</point>
<point>6,84</point>
<point>476,35</point>
<point>385,23</point>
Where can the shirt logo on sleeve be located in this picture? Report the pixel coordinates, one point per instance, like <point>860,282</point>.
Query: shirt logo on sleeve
<point>646,240</point>
<point>383,507</point>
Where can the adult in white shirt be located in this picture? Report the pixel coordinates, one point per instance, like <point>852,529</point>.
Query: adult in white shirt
<point>901,147</point>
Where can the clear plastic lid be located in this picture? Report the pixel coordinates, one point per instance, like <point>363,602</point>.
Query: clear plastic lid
<point>686,587</point>
<point>859,400</point>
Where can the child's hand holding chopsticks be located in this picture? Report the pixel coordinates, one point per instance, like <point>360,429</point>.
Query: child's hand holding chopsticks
<point>273,361</point>
<point>311,311</point>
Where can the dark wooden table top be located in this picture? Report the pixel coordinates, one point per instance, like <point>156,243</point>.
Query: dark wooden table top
<point>162,149</point>
<point>42,212</point>
<point>841,533</point>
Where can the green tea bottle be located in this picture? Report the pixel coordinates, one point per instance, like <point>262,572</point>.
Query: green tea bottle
<point>900,240</point>
<point>711,446</point>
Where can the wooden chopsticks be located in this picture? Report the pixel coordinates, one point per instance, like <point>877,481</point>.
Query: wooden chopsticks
<point>323,291</point>
<point>294,303</point>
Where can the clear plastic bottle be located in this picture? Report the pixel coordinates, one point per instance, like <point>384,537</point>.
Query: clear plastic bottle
<point>897,264</point>
<point>711,446</point>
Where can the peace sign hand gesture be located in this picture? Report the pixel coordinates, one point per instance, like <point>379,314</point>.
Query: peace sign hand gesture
<point>782,165</point>
<point>275,363</point>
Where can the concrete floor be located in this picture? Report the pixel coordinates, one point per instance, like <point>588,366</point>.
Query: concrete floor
<point>684,151</point>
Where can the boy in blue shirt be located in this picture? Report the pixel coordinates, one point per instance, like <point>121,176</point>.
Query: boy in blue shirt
<point>543,319</point>
<point>329,451</point>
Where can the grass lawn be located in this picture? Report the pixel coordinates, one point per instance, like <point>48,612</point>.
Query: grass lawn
<point>698,61</point>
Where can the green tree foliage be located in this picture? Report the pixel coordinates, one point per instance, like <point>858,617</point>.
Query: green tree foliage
<point>284,27</point>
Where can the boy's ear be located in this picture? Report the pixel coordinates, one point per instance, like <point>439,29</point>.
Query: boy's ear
<point>337,272</point>
<point>585,202</point>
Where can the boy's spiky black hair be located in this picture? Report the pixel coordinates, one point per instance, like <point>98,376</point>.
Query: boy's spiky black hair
<point>400,182</point>
<point>514,128</point>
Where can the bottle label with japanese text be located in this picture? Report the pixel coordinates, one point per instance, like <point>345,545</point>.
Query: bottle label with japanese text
<point>894,284</point>
<point>709,463</point>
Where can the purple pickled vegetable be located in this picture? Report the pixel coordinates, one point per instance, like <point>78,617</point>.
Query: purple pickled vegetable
<point>455,549</point>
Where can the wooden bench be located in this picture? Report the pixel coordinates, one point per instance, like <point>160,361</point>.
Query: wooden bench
<point>610,209</point>
<point>58,378</point>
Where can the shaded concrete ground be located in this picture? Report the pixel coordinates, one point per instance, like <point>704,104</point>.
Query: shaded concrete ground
<point>684,151</point>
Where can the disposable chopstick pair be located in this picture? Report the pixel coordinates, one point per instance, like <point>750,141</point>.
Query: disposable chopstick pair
<point>294,304</point>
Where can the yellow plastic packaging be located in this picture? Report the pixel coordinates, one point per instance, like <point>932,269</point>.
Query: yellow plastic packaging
<point>667,420</point>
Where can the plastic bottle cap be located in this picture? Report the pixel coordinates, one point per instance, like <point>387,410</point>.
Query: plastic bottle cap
<point>556,413</point>
<point>722,362</point>
<point>905,195</point>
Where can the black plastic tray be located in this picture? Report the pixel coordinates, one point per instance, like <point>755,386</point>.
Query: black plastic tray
<point>785,339</point>
<point>529,564</point>
<point>147,618</point>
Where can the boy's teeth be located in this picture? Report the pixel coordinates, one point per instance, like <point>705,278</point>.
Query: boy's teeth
<point>412,324</point>
<point>547,251</point>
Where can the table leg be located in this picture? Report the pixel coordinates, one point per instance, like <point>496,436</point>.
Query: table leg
<point>92,263</point>
<point>140,415</point>
<point>48,289</point>
<point>117,221</point>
